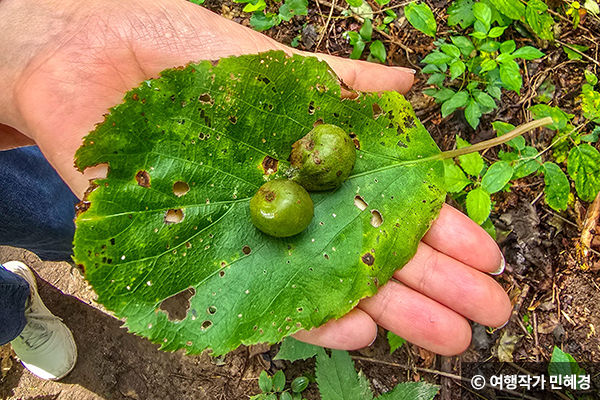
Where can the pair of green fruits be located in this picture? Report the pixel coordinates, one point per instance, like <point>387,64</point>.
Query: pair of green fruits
<point>322,160</point>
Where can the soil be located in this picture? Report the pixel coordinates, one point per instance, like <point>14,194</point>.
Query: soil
<point>555,289</point>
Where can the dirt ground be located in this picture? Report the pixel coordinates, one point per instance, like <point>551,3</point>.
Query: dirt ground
<point>554,290</point>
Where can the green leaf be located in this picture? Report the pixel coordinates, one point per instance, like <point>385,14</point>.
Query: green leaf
<point>411,391</point>
<point>559,117</point>
<point>539,20</point>
<point>563,364</point>
<point>460,13</point>
<point>590,103</point>
<point>299,384</point>
<point>352,37</point>
<point>513,9</point>
<point>366,31</point>
<point>459,99</point>
<point>503,128</point>
<point>437,79</point>
<point>572,54</point>
<point>261,21</point>
<point>337,379</point>
<point>496,31</point>
<point>488,65</point>
<point>197,1</point>
<point>511,76</point>
<point>583,166</point>
<point>464,44</point>
<point>378,50</point>
<point>363,10</point>
<point>479,35</point>
<point>479,205</point>
<point>420,16</point>
<point>592,137</point>
<point>265,382</point>
<point>444,94</point>
<point>293,7</point>
<point>394,341</point>
<point>355,3</point>
<point>293,350</point>
<point>279,381</point>
<point>483,13</point>
<point>455,178</point>
<point>484,99</point>
<point>285,395</point>
<point>472,113</point>
<point>430,68</point>
<point>494,91</point>
<point>457,68</point>
<point>590,77</point>
<point>256,5</point>
<point>508,47</point>
<point>171,221</point>
<point>526,164</point>
<point>496,177</point>
<point>557,186</point>
<point>450,49</point>
<point>358,49</point>
<point>489,46</point>
<point>528,53</point>
<point>437,58</point>
<point>471,163</point>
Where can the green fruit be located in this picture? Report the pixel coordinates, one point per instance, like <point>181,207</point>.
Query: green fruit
<point>323,159</point>
<point>281,208</point>
<point>299,384</point>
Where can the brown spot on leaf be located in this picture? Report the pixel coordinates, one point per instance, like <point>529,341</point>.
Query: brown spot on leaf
<point>368,259</point>
<point>270,165</point>
<point>143,178</point>
<point>246,249</point>
<point>377,111</point>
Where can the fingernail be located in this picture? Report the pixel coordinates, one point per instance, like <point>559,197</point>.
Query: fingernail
<point>501,268</point>
<point>409,70</point>
<point>373,341</point>
<point>503,325</point>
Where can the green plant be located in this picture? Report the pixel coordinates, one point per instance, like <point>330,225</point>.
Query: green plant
<point>564,371</point>
<point>359,41</point>
<point>262,20</point>
<point>469,73</point>
<point>323,159</point>
<point>281,208</point>
<point>336,376</point>
<point>273,388</point>
<point>394,341</point>
<point>421,17</point>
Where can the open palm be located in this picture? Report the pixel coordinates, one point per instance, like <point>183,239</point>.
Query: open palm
<point>76,59</point>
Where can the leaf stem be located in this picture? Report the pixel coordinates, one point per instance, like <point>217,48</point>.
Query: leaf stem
<point>518,131</point>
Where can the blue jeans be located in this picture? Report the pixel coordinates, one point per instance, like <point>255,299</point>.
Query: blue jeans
<point>36,213</point>
<point>36,207</point>
<point>14,292</point>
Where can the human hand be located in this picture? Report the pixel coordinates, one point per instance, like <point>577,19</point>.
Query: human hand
<point>69,61</point>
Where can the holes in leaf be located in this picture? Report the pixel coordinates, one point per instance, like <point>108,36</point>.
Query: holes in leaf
<point>246,249</point>
<point>174,216</point>
<point>177,306</point>
<point>270,165</point>
<point>376,219</point>
<point>311,107</point>
<point>401,144</point>
<point>360,203</point>
<point>326,256</point>
<point>143,178</point>
<point>377,111</point>
<point>318,122</point>
<point>221,273</point>
<point>180,188</point>
<point>233,119</point>
<point>206,98</point>
<point>263,79</point>
<point>206,324</point>
<point>211,310</point>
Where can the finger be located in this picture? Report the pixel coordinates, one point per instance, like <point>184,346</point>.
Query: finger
<point>354,330</point>
<point>459,287</point>
<point>370,77</point>
<point>456,235</point>
<point>418,319</point>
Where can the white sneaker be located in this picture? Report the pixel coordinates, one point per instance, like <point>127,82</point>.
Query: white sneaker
<point>46,346</point>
